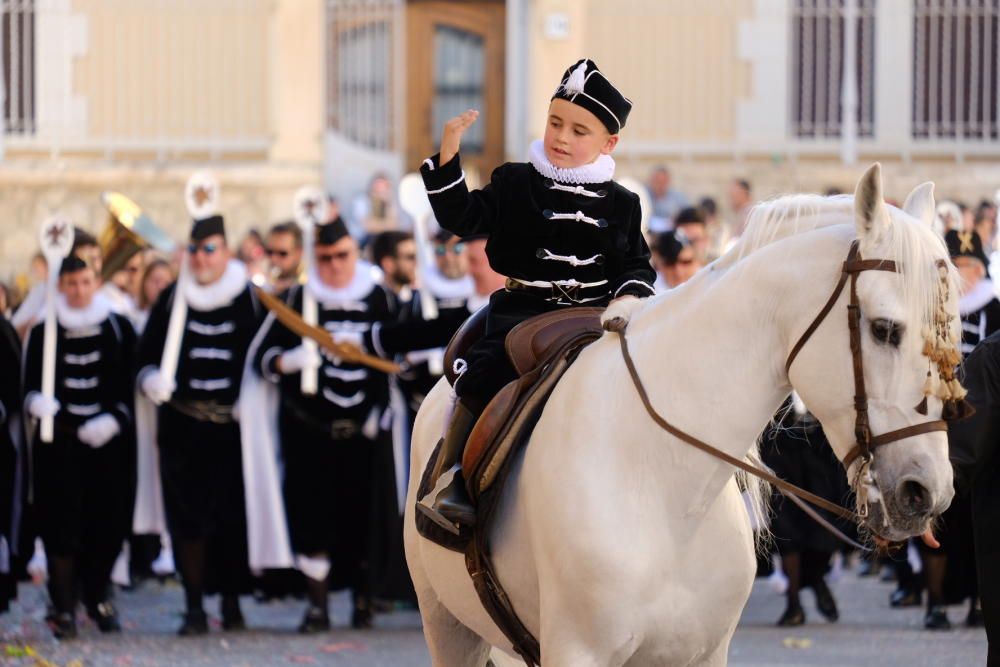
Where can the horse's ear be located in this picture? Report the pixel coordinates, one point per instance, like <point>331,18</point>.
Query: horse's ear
<point>870,212</point>
<point>920,203</point>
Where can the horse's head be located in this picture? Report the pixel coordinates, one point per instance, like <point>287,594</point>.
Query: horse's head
<point>908,328</point>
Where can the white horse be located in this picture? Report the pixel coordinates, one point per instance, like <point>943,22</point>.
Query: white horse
<point>620,545</point>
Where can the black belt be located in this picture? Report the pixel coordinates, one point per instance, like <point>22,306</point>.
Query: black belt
<point>570,294</point>
<point>338,429</point>
<point>204,411</point>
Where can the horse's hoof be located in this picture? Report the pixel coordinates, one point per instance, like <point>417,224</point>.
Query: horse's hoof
<point>793,616</point>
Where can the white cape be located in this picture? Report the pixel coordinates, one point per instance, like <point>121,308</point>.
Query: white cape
<point>148,517</point>
<point>267,529</point>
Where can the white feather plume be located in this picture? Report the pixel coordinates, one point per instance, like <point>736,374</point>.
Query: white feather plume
<point>577,79</point>
<point>201,194</point>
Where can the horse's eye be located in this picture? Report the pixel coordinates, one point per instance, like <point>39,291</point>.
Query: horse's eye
<point>887,332</point>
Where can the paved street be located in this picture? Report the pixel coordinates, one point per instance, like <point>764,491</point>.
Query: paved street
<point>869,634</point>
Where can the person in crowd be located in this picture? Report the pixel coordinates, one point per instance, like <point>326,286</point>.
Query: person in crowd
<point>197,431</point>
<point>12,462</point>
<point>485,280</point>
<point>740,198</point>
<point>691,221</point>
<point>395,253</point>
<point>675,259</point>
<point>339,477</point>
<point>796,449</point>
<point>950,572</point>
<point>284,254</point>
<point>375,211</point>
<point>251,253</point>
<point>974,446</point>
<point>667,200</point>
<point>84,478</point>
<point>566,189</point>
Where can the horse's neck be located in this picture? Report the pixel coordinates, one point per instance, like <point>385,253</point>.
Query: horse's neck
<point>712,355</point>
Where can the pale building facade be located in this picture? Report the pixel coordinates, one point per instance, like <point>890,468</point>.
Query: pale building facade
<point>134,95</point>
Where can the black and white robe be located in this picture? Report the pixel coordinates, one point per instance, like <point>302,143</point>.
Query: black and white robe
<point>82,496</point>
<point>12,462</point>
<point>200,459</point>
<point>339,486</point>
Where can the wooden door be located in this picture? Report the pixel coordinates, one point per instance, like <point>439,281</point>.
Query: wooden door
<point>455,61</point>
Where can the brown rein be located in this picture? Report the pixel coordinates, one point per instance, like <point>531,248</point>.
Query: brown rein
<point>865,442</point>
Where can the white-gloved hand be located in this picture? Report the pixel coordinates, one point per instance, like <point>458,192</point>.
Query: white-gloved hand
<point>157,387</point>
<point>97,431</point>
<point>618,313</point>
<point>299,358</point>
<point>41,406</point>
<point>355,338</point>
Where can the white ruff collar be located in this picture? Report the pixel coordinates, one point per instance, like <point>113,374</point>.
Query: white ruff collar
<point>976,298</point>
<point>600,170</point>
<point>361,285</point>
<point>82,318</point>
<point>221,292</point>
<point>441,287</point>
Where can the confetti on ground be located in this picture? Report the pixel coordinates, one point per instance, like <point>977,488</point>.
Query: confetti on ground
<point>797,642</point>
<point>343,646</point>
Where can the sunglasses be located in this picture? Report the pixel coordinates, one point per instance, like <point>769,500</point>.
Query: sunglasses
<point>442,250</point>
<point>272,252</point>
<point>207,248</point>
<point>326,258</point>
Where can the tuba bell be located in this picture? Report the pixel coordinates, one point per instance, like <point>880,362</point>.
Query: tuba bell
<point>127,231</point>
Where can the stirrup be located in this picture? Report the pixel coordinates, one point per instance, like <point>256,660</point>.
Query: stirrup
<point>429,505</point>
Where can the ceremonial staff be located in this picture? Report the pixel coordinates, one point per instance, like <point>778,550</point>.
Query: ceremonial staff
<point>201,194</point>
<point>306,208</point>
<point>57,241</point>
<point>413,199</point>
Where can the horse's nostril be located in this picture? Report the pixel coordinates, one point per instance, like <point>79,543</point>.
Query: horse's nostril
<point>914,498</point>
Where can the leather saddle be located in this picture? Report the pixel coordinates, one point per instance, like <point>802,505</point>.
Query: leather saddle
<point>541,349</point>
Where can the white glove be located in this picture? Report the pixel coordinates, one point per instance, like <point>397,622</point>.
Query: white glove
<point>96,431</point>
<point>41,406</point>
<point>299,358</point>
<point>157,387</point>
<point>619,312</point>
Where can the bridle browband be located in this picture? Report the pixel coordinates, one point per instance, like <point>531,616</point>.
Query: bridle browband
<point>865,442</point>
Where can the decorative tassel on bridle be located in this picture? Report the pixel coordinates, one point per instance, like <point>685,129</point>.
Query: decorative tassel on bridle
<point>941,350</point>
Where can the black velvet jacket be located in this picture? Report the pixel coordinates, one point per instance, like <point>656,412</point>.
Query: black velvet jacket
<point>541,231</point>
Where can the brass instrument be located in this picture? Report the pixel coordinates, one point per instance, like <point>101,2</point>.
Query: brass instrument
<point>128,231</point>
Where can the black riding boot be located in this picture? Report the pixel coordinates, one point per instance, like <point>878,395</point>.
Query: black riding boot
<point>452,507</point>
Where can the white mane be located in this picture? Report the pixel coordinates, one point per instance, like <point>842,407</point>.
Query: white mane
<point>914,246</point>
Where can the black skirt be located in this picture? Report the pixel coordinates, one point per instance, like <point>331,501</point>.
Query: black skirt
<point>201,467</point>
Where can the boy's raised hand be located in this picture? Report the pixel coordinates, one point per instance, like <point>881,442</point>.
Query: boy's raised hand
<point>451,138</point>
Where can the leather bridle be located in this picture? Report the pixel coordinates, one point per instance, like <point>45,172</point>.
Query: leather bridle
<point>865,442</point>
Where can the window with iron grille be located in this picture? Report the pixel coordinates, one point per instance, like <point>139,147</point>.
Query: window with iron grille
<point>17,32</point>
<point>818,67</point>
<point>459,82</point>
<point>956,72</point>
<point>361,47</point>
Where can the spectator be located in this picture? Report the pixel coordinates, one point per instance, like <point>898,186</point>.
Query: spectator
<point>692,222</point>
<point>676,260</point>
<point>155,278</point>
<point>251,253</point>
<point>740,201</point>
<point>396,254</point>
<point>485,278</point>
<point>375,211</point>
<point>667,200</point>
<point>284,255</point>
